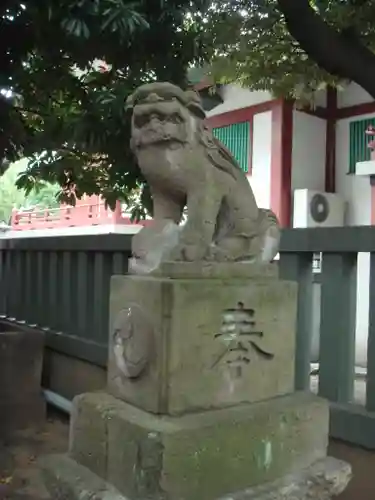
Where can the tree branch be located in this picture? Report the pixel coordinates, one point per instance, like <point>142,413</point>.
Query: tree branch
<point>336,52</point>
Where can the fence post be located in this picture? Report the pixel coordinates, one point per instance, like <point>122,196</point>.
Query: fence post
<point>370,385</point>
<point>337,326</point>
<point>298,267</point>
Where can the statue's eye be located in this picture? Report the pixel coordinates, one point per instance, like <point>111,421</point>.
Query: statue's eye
<point>176,118</point>
<point>140,120</point>
<point>157,116</point>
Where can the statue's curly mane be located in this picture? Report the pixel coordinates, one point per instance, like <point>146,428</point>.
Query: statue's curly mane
<point>219,156</point>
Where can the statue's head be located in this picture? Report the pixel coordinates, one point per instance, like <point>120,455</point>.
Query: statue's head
<point>163,113</point>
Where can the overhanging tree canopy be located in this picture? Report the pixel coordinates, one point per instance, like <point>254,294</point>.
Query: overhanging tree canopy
<point>74,126</point>
<point>11,197</point>
<point>293,47</point>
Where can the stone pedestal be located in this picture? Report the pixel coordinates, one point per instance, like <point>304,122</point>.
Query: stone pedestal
<point>200,402</point>
<point>212,341</point>
<point>21,401</point>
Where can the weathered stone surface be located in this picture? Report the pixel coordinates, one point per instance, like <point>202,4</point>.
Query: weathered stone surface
<point>21,401</point>
<point>231,270</point>
<point>154,246</point>
<point>323,480</point>
<point>21,358</point>
<point>185,164</point>
<point>65,479</point>
<point>88,435</point>
<point>199,456</point>
<point>217,342</point>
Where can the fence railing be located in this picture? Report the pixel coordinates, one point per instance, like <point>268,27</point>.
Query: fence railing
<point>339,248</point>
<point>89,214</point>
<point>61,285</point>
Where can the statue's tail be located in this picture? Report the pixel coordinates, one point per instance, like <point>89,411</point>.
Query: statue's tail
<point>269,231</point>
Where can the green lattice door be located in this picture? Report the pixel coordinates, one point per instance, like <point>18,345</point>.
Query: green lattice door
<point>236,138</point>
<point>358,141</point>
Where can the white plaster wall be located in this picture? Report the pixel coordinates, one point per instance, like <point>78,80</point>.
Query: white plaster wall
<point>320,98</point>
<point>308,154</point>
<point>357,191</point>
<point>260,178</point>
<point>351,95</point>
<point>236,97</point>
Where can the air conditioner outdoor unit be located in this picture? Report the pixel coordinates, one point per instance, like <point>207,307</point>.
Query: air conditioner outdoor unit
<point>317,209</point>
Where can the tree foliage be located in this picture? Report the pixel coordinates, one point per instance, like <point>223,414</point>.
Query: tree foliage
<point>68,115</point>
<point>274,44</point>
<point>45,196</point>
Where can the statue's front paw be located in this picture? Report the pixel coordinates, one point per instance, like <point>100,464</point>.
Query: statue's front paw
<point>216,254</point>
<point>188,252</point>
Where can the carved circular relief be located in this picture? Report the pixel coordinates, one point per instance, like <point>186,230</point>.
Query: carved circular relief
<point>132,338</point>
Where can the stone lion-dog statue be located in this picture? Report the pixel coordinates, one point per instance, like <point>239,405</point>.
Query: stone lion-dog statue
<point>186,166</point>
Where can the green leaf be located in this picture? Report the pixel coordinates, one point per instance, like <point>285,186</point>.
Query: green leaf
<point>78,121</point>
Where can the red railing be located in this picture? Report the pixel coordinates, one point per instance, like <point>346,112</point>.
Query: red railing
<point>90,214</point>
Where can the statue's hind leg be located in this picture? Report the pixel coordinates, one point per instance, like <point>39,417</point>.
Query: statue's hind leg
<point>261,246</point>
<point>237,235</point>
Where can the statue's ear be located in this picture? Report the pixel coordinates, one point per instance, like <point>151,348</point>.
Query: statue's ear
<point>197,110</point>
<point>193,103</point>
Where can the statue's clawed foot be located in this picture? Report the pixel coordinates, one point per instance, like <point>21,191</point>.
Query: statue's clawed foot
<point>217,254</point>
<point>188,252</point>
<point>232,249</point>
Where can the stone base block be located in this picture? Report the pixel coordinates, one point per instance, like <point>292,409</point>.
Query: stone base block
<point>323,480</point>
<point>186,344</point>
<point>200,456</point>
<point>16,415</point>
<point>67,480</point>
<point>21,359</point>
<point>21,402</point>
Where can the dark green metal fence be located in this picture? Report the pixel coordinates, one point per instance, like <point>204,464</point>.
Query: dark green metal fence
<point>339,247</point>
<point>61,285</point>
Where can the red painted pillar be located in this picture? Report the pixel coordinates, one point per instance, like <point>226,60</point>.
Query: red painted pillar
<point>281,161</point>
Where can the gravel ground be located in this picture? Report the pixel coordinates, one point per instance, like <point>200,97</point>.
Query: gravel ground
<point>19,475</point>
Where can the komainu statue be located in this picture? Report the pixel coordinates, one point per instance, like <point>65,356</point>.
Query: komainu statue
<point>186,166</point>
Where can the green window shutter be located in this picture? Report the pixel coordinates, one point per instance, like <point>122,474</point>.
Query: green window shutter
<point>358,141</point>
<point>236,138</point>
